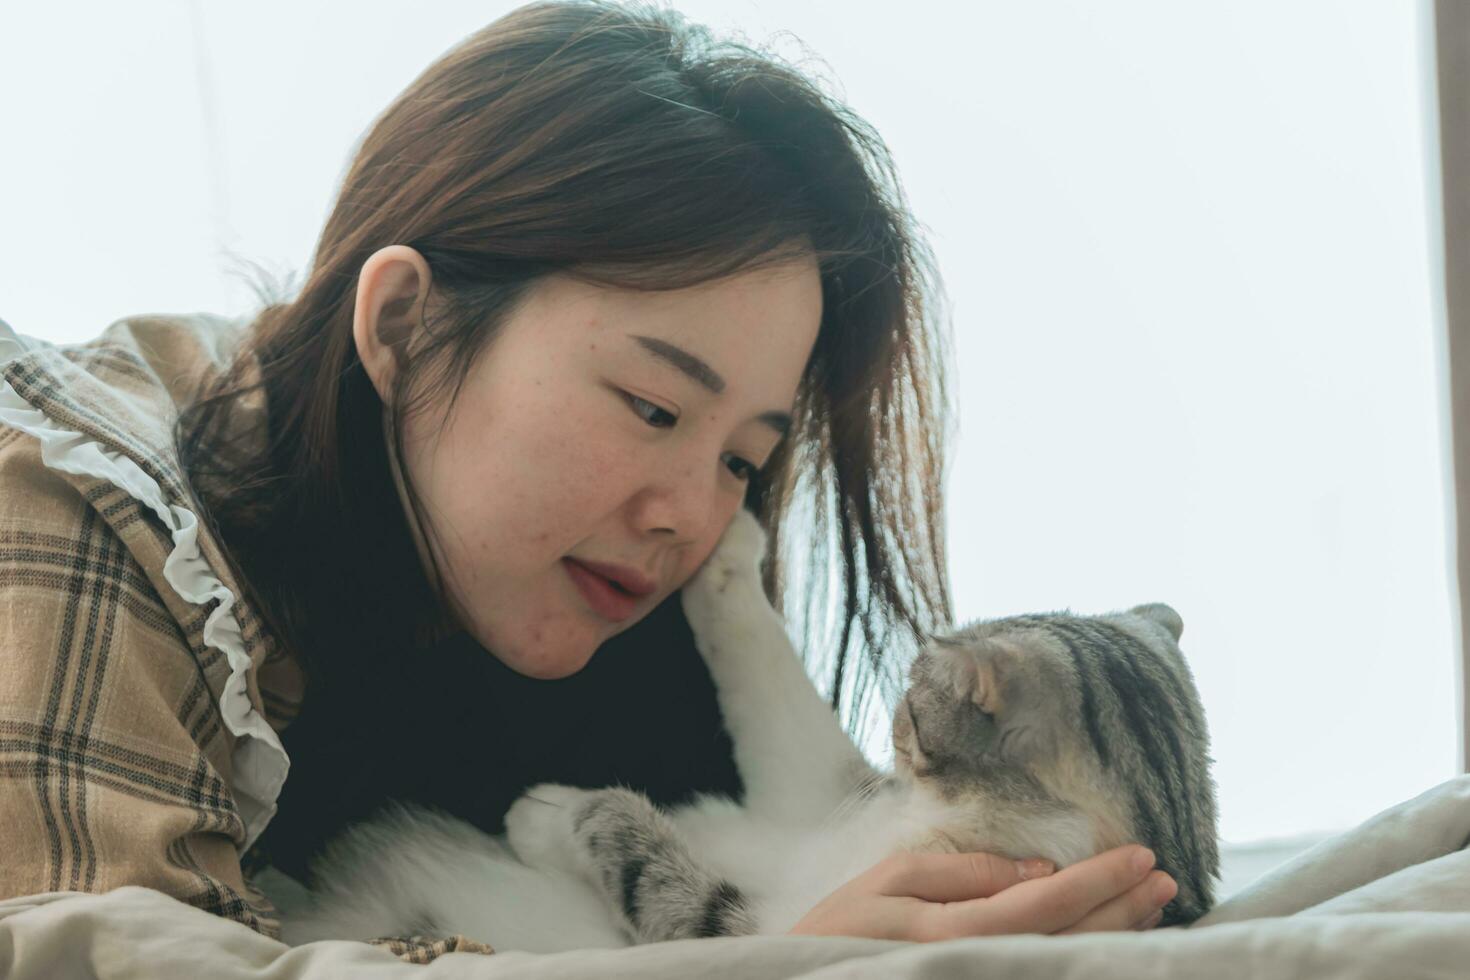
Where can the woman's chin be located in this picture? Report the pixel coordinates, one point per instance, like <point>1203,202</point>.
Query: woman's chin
<point>550,665</point>
<point>543,660</point>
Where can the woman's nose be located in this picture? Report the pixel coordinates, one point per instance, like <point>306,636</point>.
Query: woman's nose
<point>680,501</point>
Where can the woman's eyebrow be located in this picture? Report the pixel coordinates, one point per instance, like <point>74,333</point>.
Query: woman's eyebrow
<point>704,375</point>
<point>684,361</point>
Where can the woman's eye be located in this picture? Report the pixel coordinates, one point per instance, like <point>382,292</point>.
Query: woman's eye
<point>742,468</point>
<point>657,417</point>
<point>650,413</point>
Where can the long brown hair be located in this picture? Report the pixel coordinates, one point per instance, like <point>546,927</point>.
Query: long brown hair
<point>623,145</point>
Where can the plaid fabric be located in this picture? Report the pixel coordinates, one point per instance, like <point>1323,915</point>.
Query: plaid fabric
<point>116,767</point>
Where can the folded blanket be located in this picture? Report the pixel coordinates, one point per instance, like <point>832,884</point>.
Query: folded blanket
<point>1388,899</point>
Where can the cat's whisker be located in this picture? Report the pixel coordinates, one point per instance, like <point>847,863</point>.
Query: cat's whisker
<point>843,809</point>
<point>855,799</point>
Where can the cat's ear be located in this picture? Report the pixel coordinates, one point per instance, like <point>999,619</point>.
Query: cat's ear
<point>1163,615</point>
<point>975,669</point>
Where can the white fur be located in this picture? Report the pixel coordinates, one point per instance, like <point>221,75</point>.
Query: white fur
<point>388,876</point>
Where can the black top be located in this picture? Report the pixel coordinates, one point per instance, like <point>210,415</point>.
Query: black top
<point>454,728</point>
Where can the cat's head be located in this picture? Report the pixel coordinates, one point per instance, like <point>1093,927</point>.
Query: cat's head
<point>1087,728</point>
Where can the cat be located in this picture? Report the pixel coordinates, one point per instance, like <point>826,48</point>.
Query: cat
<point>1055,736</point>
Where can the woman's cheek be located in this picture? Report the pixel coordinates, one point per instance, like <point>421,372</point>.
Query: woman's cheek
<point>552,485</point>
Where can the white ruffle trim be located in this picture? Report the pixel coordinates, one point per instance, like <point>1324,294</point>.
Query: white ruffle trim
<point>259,760</point>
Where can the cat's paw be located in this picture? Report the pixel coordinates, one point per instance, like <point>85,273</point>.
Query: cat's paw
<point>541,826</point>
<point>737,556</point>
<point>735,560</point>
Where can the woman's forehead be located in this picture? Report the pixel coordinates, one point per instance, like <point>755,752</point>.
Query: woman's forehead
<point>762,323</point>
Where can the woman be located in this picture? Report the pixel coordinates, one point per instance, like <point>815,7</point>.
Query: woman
<point>591,283</point>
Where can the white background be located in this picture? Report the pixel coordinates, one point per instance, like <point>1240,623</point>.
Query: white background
<point>1188,263</point>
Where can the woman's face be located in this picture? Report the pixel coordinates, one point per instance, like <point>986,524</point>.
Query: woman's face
<point>609,427</point>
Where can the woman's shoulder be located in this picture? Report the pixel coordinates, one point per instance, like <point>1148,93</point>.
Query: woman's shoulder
<point>59,516</point>
<point>118,760</point>
<point>96,519</point>
<point>86,437</point>
<point>76,585</point>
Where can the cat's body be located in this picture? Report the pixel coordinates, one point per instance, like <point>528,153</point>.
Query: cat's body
<point>1052,736</point>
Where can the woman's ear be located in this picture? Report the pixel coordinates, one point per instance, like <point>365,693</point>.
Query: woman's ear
<point>391,292</point>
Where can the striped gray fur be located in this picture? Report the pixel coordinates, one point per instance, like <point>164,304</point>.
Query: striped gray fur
<point>647,873</point>
<point>1162,720</point>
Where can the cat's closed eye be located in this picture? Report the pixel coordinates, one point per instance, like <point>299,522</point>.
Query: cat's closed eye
<point>1016,742</point>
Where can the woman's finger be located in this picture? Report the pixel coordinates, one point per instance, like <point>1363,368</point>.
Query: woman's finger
<point>1130,909</point>
<point>1048,904</point>
<point>953,877</point>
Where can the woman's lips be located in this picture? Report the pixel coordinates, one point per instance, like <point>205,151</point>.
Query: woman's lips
<point>605,598</point>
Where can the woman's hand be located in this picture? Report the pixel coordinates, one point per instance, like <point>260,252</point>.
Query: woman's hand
<point>924,897</point>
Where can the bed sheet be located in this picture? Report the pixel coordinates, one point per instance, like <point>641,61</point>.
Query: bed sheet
<point>1390,898</point>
